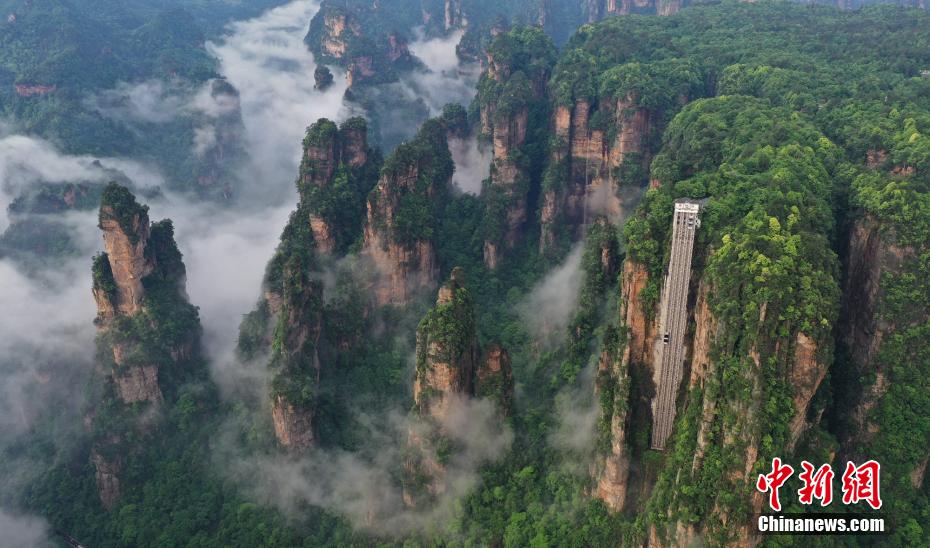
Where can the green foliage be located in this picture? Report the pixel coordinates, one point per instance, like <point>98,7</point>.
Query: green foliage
<point>419,201</point>
<point>103,275</point>
<point>118,203</point>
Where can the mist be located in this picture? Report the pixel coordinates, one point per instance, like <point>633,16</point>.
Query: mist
<point>364,485</point>
<point>551,304</point>
<point>472,164</point>
<point>22,531</point>
<point>445,79</point>
<point>267,61</point>
<point>48,345</point>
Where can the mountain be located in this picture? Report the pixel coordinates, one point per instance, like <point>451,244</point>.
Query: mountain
<point>701,245</point>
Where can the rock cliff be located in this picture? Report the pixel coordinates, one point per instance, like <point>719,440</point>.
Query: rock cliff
<point>402,213</point>
<point>148,333</point>
<point>362,39</point>
<point>596,10</point>
<point>449,368</point>
<point>872,254</point>
<point>512,103</point>
<point>598,164</point>
<point>335,176</point>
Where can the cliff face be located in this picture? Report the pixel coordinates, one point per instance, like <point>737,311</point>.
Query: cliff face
<point>337,172</point>
<point>453,16</point>
<point>139,275</point>
<point>354,37</point>
<point>625,350</point>
<point>512,102</point>
<point>125,237</point>
<point>402,212</point>
<point>447,351</point>
<point>873,255</point>
<point>295,361</point>
<point>596,10</point>
<point>494,378</point>
<point>588,167</point>
<point>449,368</point>
<point>335,175</point>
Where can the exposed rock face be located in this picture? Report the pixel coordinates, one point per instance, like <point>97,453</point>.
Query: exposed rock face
<point>454,17</point>
<point>138,384</point>
<point>136,252</point>
<point>446,364</point>
<point>495,378</point>
<point>514,84</point>
<point>413,182</point>
<point>633,313</point>
<point>293,427</point>
<point>327,149</point>
<point>125,240</point>
<point>107,474</point>
<point>449,367</point>
<point>638,329</point>
<point>360,39</point>
<point>612,469</point>
<point>806,373</point>
<point>871,256</point>
<point>295,359</point>
<point>596,10</point>
<point>335,41</point>
<point>34,90</point>
<point>585,166</point>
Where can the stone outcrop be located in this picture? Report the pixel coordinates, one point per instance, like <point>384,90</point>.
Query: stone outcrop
<point>362,40</point>
<point>514,83</point>
<point>293,426</point>
<point>453,16</point>
<point>34,90</point>
<point>338,31</point>
<point>596,10</point>
<point>107,475</point>
<point>447,351</point>
<point>139,254</point>
<point>494,378</point>
<point>328,148</point>
<point>449,368</point>
<point>138,384</point>
<point>628,348</point>
<point>871,256</point>
<point>125,236</point>
<point>612,467</point>
<point>413,183</point>
<point>295,360</point>
<point>587,169</point>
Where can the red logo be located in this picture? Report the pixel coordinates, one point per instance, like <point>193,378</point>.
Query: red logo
<point>817,485</point>
<point>862,483</point>
<point>772,481</point>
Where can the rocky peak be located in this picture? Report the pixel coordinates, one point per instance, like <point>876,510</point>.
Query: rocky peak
<point>519,63</point>
<point>447,350</point>
<point>125,226</point>
<point>138,255</point>
<point>449,367</point>
<point>332,152</point>
<point>401,215</point>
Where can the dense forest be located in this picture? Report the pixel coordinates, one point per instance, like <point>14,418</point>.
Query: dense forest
<point>427,366</point>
